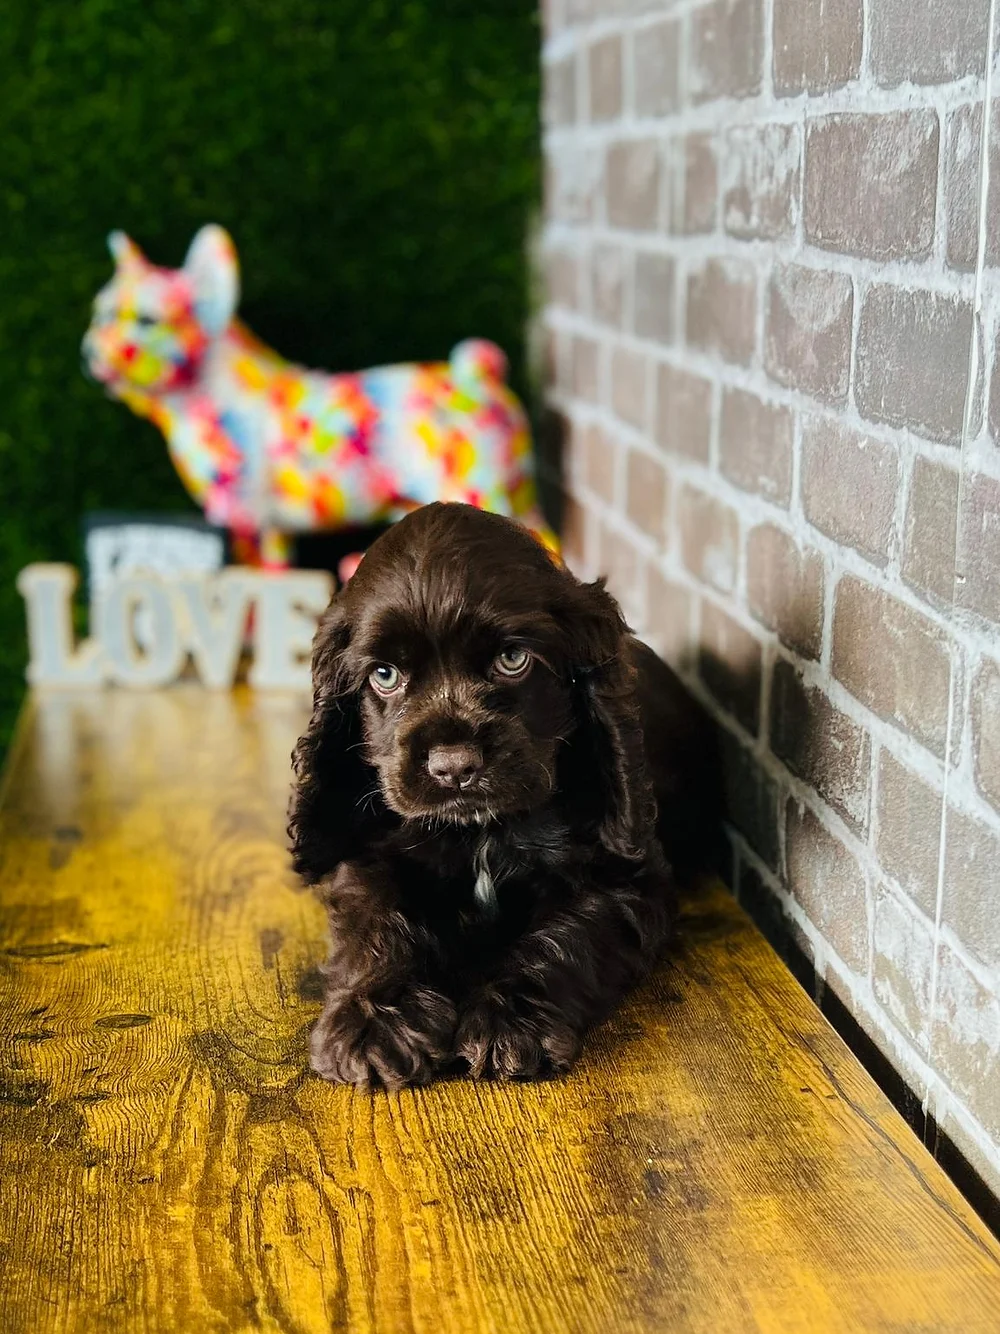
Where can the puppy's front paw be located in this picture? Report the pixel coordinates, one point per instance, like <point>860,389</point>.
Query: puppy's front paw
<point>377,1044</point>
<point>505,1039</point>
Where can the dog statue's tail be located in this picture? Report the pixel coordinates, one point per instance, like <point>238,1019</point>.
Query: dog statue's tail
<point>477,361</point>
<point>479,368</point>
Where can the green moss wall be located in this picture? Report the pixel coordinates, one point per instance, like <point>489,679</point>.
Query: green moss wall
<point>375,160</point>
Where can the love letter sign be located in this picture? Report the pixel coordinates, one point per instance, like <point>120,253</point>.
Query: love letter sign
<point>198,618</point>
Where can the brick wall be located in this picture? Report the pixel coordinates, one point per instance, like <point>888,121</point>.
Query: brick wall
<point>774,351</point>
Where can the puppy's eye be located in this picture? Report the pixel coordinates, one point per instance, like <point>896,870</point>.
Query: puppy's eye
<point>385,679</point>
<point>512,662</point>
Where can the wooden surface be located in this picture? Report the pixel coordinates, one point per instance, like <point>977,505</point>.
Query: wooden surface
<point>718,1161</point>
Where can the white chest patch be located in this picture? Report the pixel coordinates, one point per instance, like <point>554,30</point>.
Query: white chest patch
<point>485,890</point>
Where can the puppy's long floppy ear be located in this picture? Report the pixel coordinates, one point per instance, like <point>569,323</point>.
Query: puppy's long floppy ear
<point>330,807</point>
<point>611,728</point>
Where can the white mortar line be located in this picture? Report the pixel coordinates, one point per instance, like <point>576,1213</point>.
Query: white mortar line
<point>971,386</point>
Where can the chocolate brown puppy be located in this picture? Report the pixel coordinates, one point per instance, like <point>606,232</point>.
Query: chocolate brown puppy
<point>493,784</point>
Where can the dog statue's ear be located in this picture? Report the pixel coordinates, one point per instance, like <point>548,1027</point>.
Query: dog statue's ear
<point>336,796</point>
<point>124,251</point>
<point>604,684</point>
<point>212,269</point>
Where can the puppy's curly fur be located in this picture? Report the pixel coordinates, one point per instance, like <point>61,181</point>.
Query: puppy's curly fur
<point>486,916</point>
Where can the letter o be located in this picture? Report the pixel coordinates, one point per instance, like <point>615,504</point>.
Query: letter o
<point>117,610</point>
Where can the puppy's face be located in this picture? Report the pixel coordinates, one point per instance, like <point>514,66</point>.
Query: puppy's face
<point>458,678</point>
<point>449,647</point>
<point>464,701</point>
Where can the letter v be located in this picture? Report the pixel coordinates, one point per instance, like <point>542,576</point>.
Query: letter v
<point>215,611</point>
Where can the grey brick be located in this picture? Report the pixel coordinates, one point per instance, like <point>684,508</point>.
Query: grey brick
<point>871,183</point>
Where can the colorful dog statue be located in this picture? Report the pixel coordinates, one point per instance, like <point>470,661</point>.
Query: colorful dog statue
<point>269,449</point>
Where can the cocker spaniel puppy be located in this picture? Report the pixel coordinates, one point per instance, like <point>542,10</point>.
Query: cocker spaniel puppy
<point>484,794</point>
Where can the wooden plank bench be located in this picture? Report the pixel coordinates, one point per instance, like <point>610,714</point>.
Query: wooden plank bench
<point>719,1161</point>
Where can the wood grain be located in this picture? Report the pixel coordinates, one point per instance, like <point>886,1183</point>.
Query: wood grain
<point>718,1162</point>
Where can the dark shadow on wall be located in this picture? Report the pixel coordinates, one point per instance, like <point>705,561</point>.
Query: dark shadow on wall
<point>755,809</point>
<point>551,436</point>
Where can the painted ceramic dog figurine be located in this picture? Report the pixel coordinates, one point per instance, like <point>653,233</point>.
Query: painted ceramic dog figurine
<point>269,449</point>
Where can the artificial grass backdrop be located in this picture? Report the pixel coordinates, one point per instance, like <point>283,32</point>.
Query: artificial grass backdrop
<point>375,160</point>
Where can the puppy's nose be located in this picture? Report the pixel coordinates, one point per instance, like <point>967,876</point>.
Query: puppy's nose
<point>454,766</point>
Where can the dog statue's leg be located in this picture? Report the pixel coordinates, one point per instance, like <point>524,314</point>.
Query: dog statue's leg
<point>275,549</point>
